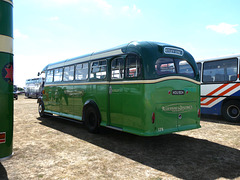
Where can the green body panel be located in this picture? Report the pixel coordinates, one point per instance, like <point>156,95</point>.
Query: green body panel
<point>6,84</point>
<point>172,112</point>
<point>131,105</point>
<point>126,106</point>
<point>68,101</point>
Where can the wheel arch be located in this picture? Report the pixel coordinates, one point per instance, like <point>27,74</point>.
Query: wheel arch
<point>229,99</point>
<point>87,104</point>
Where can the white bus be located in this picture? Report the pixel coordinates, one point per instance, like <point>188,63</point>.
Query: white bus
<point>220,86</point>
<point>34,87</point>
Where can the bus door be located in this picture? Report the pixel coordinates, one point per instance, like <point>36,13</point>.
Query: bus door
<point>116,93</point>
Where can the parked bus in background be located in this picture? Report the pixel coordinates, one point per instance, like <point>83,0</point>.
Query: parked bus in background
<point>220,87</point>
<point>144,88</point>
<point>6,79</point>
<point>34,87</point>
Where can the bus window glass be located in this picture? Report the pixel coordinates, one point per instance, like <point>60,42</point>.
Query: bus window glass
<point>165,66</point>
<point>199,65</point>
<point>81,71</point>
<point>98,69</point>
<point>49,77</point>
<point>220,71</point>
<point>117,68</point>
<point>68,74</point>
<point>132,66</point>
<point>58,75</point>
<point>184,68</point>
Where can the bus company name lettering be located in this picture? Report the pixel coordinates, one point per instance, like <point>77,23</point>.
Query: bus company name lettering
<point>173,108</point>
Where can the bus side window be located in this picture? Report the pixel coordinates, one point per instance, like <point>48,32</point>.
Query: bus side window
<point>49,76</point>
<point>58,74</point>
<point>132,66</point>
<point>68,74</point>
<point>98,69</point>
<point>81,71</point>
<point>220,71</point>
<point>117,68</point>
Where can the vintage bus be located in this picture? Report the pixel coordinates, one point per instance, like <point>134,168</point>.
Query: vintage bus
<point>6,79</point>
<point>143,88</point>
<point>34,87</point>
<point>220,86</point>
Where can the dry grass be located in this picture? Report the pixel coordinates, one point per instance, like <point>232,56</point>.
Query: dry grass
<point>56,149</point>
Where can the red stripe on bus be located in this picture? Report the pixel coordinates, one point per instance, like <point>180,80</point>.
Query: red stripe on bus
<point>209,102</point>
<point>221,94</point>
<point>229,89</point>
<point>214,91</point>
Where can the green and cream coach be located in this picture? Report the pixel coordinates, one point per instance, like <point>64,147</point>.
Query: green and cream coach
<point>144,88</point>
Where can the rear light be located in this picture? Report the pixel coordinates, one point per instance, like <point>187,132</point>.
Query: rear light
<point>153,117</point>
<point>2,137</point>
<point>199,113</point>
<point>43,91</point>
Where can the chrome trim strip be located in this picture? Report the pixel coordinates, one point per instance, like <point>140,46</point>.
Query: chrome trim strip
<point>115,128</point>
<point>6,44</point>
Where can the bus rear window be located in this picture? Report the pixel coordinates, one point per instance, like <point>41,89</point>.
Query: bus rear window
<point>164,66</point>
<point>184,68</point>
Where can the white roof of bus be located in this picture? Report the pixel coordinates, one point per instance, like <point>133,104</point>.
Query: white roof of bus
<point>219,58</point>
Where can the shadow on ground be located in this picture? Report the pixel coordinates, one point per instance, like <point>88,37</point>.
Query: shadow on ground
<point>3,172</point>
<point>181,156</point>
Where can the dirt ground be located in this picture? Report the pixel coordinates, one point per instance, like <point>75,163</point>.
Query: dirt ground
<point>53,148</point>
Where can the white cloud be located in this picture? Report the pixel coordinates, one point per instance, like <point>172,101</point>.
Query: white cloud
<point>103,4</point>
<point>54,18</point>
<point>18,34</point>
<point>131,10</point>
<point>223,28</point>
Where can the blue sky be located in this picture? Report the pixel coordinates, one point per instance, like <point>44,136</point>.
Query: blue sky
<point>47,31</point>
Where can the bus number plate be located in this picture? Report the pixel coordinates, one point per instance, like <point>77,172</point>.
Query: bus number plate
<point>178,92</point>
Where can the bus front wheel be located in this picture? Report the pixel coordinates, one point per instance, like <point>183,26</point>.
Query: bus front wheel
<point>41,109</point>
<point>231,111</point>
<point>92,120</point>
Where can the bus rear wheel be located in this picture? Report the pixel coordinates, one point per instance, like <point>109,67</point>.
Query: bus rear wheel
<point>231,111</point>
<point>92,120</point>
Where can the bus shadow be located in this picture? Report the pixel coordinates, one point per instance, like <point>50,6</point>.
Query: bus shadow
<point>181,156</point>
<point>3,172</point>
<point>217,119</point>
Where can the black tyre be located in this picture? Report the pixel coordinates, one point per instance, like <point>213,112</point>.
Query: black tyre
<point>41,109</point>
<point>92,119</point>
<point>231,111</point>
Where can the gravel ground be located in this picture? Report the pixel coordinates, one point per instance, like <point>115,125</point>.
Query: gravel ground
<point>53,148</point>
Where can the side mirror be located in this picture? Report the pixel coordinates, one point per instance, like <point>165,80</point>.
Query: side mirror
<point>38,74</point>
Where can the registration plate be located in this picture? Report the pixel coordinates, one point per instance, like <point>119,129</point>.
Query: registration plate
<point>178,92</point>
